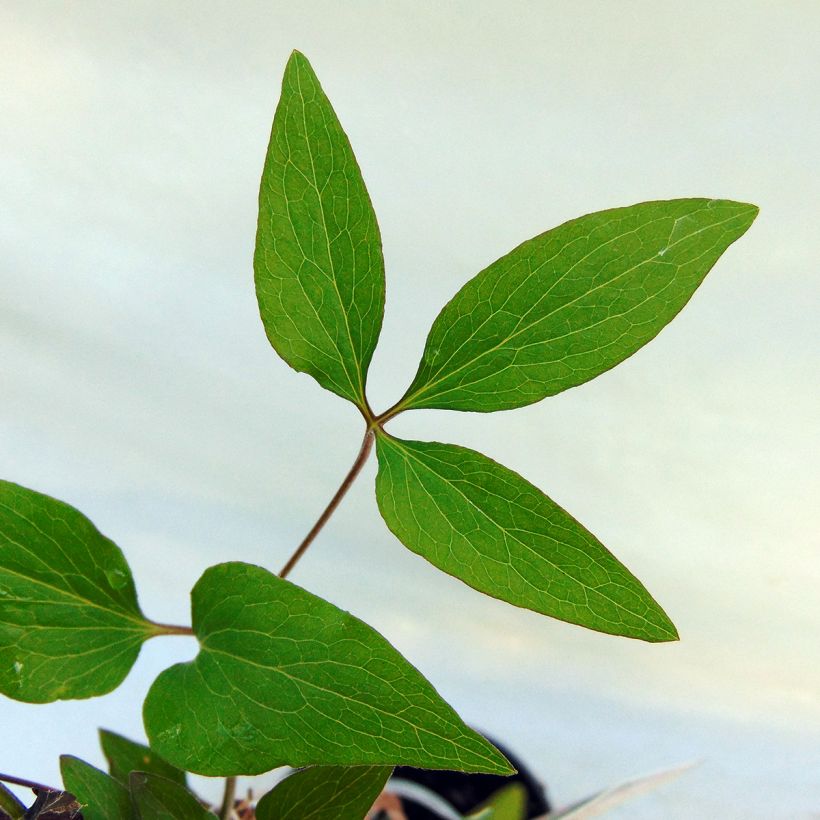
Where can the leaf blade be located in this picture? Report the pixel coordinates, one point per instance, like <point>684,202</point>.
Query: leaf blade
<point>492,529</point>
<point>508,803</point>
<point>70,624</point>
<point>335,691</point>
<point>103,797</point>
<point>125,756</point>
<point>324,793</point>
<point>318,263</point>
<point>10,806</point>
<point>571,303</point>
<point>157,798</point>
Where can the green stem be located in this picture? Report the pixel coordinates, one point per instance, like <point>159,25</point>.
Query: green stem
<point>390,413</point>
<point>364,452</point>
<point>170,629</point>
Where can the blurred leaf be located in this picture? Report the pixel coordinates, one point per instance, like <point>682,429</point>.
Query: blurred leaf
<point>125,756</point>
<point>486,525</point>
<point>318,262</point>
<point>508,803</point>
<point>70,625</point>
<point>10,807</point>
<point>571,303</point>
<point>324,793</point>
<point>608,799</point>
<point>157,798</point>
<point>102,797</point>
<point>285,678</point>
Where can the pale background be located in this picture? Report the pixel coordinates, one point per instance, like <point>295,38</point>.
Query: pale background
<point>137,384</point>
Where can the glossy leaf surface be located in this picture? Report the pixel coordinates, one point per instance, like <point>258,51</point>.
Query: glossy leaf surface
<point>325,793</point>
<point>102,797</point>
<point>571,303</point>
<point>318,264</point>
<point>157,798</point>
<point>70,625</point>
<point>285,678</point>
<point>491,528</point>
<point>125,756</point>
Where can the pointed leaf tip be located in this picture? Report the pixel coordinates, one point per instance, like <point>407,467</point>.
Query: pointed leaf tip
<point>488,526</point>
<point>571,303</point>
<point>318,264</point>
<point>323,674</point>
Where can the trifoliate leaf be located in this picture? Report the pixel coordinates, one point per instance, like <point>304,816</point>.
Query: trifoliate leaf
<point>571,303</point>
<point>285,678</point>
<point>495,531</point>
<point>318,264</point>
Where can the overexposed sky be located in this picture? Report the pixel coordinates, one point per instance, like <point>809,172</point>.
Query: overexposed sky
<point>137,384</point>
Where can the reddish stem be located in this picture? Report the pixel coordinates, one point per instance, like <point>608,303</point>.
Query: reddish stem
<point>364,452</point>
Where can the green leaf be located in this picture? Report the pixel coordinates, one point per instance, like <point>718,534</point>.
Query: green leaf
<point>10,806</point>
<point>318,264</point>
<point>285,678</point>
<point>508,803</point>
<point>103,798</point>
<point>325,793</point>
<point>157,798</point>
<point>70,625</point>
<point>125,756</point>
<point>571,303</point>
<point>486,525</point>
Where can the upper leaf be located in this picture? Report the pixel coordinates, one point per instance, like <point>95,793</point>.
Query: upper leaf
<point>318,264</point>
<point>157,798</point>
<point>70,625</point>
<point>571,303</point>
<point>125,756</point>
<point>285,678</point>
<point>324,793</point>
<point>495,531</point>
<point>102,797</point>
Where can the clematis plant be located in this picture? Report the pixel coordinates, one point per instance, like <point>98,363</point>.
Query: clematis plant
<point>282,677</point>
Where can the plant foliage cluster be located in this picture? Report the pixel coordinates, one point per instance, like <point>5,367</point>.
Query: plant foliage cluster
<point>283,677</point>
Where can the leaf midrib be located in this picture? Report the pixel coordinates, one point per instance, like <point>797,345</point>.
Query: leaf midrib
<point>357,388</point>
<point>81,602</point>
<point>299,681</point>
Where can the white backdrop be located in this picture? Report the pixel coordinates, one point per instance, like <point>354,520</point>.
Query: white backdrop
<point>137,384</point>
